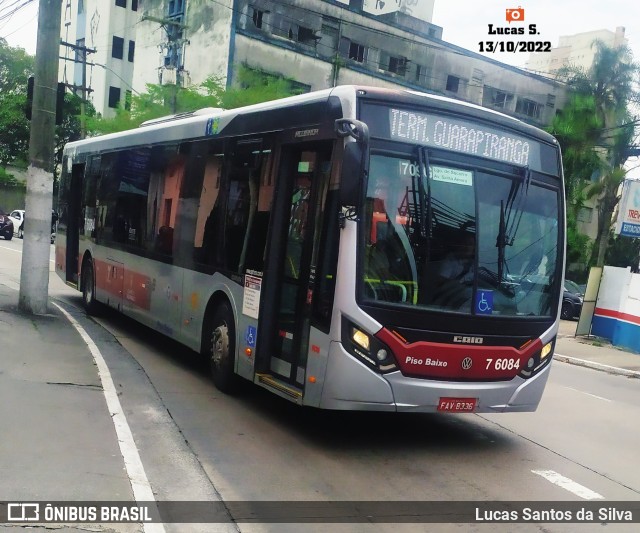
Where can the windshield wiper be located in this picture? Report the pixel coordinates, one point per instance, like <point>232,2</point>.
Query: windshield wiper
<point>425,211</point>
<point>510,218</point>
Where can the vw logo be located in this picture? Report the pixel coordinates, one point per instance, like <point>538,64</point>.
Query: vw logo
<point>467,362</point>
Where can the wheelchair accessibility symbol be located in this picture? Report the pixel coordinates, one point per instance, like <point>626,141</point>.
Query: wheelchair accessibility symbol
<point>250,336</point>
<point>484,302</point>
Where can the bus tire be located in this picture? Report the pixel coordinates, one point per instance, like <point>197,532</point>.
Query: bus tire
<point>221,349</point>
<point>89,289</point>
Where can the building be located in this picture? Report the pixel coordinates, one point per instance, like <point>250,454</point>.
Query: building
<point>574,50</point>
<point>578,51</point>
<point>315,43</point>
<point>100,50</point>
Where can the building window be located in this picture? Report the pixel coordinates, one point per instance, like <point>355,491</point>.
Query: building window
<point>502,99</point>
<point>418,72</point>
<point>132,51</point>
<point>114,97</point>
<point>306,35</point>
<point>121,3</point>
<point>477,77</point>
<point>528,107</point>
<point>357,52</point>
<point>398,65</point>
<point>585,215</point>
<point>176,8</point>
<point>257,18</point>
<point>80,7</point>
<point>551,100</point>
<point>117,47</point>
<point>453,83</point>
<point>134,5</point>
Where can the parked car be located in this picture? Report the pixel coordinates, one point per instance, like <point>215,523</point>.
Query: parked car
<point>6,226</point>
<point>17,217</point>
<point>572,299</point>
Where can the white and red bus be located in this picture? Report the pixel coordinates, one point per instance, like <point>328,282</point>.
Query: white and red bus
<point>352,248</point>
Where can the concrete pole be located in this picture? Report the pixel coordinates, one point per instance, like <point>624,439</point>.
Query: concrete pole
<point>34,274</point>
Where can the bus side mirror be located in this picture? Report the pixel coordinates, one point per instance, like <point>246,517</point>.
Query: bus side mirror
<point>354,160</point>
<point>352,174</point>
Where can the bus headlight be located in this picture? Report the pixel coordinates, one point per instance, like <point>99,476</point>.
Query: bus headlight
<point>360,338</point>
<point>537,361</point>
<point>367,348</point>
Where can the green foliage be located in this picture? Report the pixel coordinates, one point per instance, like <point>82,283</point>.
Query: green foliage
<point>623,251</point>
<point>14,128</point>
<point>71,128</point>
<point>9,180</point>
<point>162,100</point>
<point>578,244</point>
<point>577,129</point>
<point>595,131</point>
<point>15,68</point>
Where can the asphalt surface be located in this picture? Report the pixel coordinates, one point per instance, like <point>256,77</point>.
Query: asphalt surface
<point>53,386</point>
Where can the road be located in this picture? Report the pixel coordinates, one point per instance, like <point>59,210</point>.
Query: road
<point>195,442</point>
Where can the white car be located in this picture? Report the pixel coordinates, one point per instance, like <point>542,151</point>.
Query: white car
<point>17,217</point>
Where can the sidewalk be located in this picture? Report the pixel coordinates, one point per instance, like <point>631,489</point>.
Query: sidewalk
<point>594,352</point>
<point>58,441</point>
<point>64,437</point>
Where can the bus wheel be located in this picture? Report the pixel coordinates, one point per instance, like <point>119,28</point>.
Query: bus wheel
<point>88,289</point>
<point>222,349</point>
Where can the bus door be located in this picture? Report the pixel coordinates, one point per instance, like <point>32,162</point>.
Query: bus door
<point>73,219</point>
<point>305,173</point>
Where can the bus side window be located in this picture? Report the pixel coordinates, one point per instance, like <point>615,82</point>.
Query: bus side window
<point>248,206</point>
<point>207,188</point>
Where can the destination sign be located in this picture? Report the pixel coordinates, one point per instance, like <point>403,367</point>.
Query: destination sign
<point>470,138</point>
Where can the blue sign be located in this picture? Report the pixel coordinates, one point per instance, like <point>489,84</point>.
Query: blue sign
<point>630,230</point>
<point>212,126</point>
<point>484,302</point>
<point>250,336</point>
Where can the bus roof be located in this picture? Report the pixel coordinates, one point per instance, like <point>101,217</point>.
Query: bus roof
<point>198,124</point>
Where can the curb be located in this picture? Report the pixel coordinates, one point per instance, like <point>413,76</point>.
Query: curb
<point>597,366</point>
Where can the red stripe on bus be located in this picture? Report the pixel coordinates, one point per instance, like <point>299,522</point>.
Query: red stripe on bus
<point>458,361</point>
<point>124,284</point>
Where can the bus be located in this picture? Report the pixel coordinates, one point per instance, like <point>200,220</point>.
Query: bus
<point>354,248</point>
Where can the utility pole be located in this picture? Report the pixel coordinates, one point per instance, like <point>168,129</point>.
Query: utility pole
<point>34,274</point>
<point>81,52</point>
<point>174,27</point>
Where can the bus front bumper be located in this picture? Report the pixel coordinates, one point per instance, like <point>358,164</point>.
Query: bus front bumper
<point>351,385</point>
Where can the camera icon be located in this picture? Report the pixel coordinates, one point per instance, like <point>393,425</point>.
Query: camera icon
<point>515,15</point>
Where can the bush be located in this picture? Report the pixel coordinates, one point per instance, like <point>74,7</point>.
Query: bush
<point>9,180</point>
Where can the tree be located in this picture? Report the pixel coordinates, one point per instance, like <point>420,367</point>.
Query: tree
<point>607,189</point>
<point>70,129</point>
<point>15,68</point>
<point>577,129</point>
<point>160,100</point>
<point>610,84</point>
<point>623,251</point>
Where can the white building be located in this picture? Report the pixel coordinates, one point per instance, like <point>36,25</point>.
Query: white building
<point>101,59</point>
<point>315,43</point>
<point>575,50</point>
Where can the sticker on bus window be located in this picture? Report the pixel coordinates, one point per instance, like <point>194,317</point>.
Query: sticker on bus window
<point>452,175</point>
<point>251,297</point>
<point>484,302</point>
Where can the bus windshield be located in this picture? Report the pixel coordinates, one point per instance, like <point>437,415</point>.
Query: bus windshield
<point>446,237</point>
